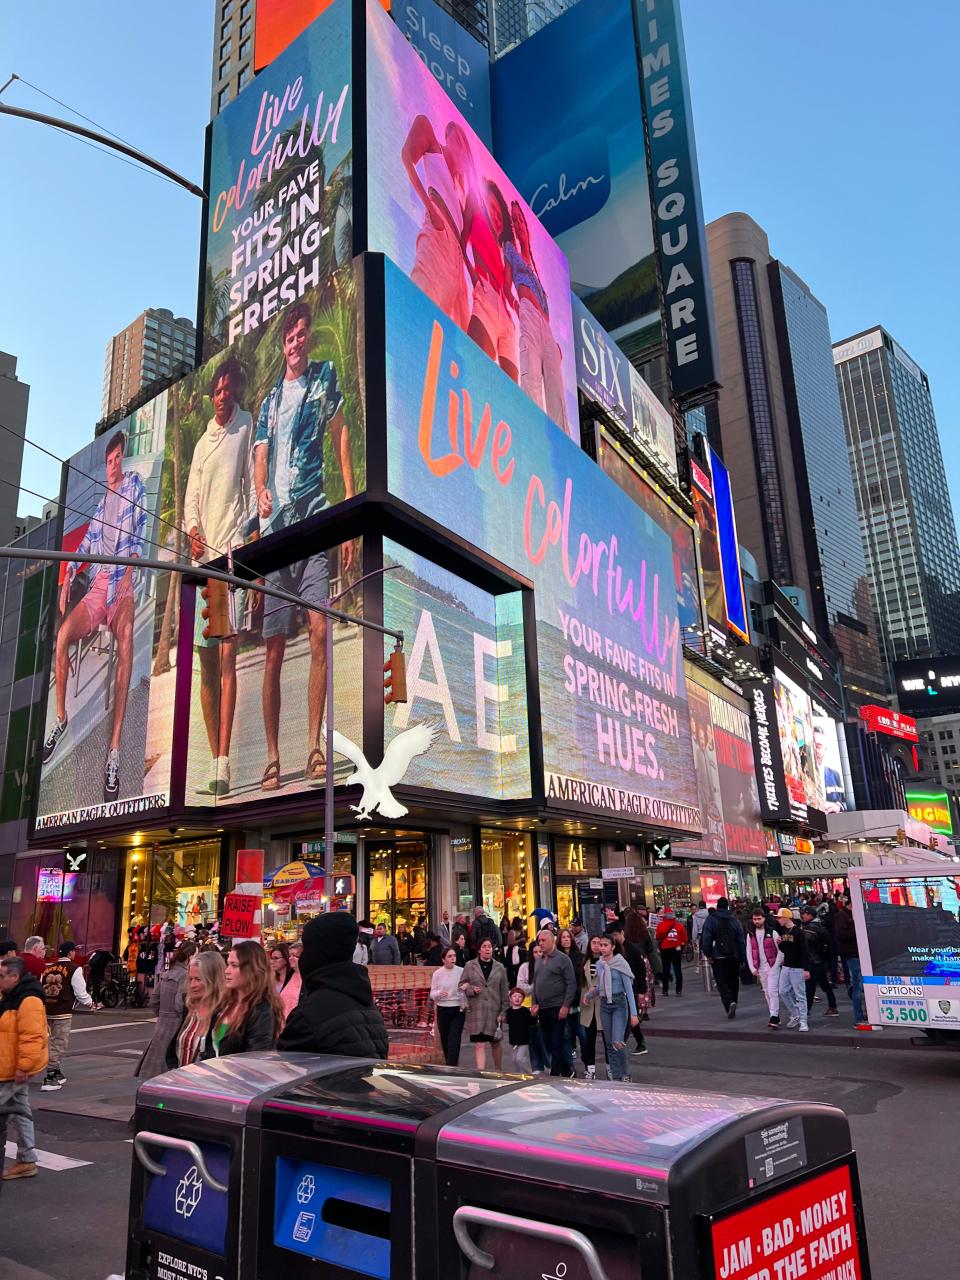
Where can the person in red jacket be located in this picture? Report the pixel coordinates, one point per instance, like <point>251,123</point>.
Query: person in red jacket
<point>671,939</point>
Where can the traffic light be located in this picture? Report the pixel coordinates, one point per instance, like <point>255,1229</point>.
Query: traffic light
<point>395,677</point>
<point>216,610</point>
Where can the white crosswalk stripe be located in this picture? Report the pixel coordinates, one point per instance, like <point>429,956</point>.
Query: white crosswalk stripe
<point>50,1160</point>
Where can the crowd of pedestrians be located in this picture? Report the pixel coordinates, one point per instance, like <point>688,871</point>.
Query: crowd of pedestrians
<point>550,997</point>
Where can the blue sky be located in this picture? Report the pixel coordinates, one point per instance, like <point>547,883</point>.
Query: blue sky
<point>832,122</point>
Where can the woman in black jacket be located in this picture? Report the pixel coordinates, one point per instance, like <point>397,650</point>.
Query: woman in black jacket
<point>336,1013</point>
<point>252,1016</point>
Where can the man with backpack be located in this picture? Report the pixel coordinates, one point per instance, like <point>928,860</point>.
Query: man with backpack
<point>723,944</point>
<point>819,949</point>
<point>671,939</point>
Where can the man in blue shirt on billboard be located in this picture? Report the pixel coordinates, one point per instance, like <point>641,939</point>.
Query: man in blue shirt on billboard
<point>288,474</point>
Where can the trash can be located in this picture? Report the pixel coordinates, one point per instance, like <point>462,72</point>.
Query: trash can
<point>577,1181</point>
<point>191,1145</point>
<point>347,1168</point>
<point>284,1167</point>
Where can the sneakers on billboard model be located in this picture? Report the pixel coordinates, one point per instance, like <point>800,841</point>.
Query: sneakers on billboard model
<point>221,783</point>
<point>111,776</point>
<point>53,739</point>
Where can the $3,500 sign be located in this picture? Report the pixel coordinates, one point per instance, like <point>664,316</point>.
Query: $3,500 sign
<point>239,919</point>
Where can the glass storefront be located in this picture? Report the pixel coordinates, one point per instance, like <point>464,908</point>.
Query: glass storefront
<point>574,861</point>
<point>464,870</point>
<point>175,884</point>
<point>398,881</point>
<point>506,875</point>
<point>66,897</point>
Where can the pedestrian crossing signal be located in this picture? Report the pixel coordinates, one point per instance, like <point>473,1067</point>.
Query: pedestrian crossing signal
<point>395,677</point>
<point>216,610</point>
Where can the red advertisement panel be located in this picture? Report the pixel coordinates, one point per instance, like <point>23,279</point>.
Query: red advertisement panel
<point>883,720</point>
<point>809,1231</point>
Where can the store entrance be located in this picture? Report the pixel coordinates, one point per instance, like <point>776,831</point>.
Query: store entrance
<point>398,880</point>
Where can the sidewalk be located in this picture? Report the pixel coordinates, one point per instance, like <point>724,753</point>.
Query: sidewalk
<point>104,1050</point>
<point>697,1015</point>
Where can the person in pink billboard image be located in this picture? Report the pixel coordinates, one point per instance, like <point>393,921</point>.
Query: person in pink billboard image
<point>439,268</point>
<point>486,232</point>
<point>541,375</point>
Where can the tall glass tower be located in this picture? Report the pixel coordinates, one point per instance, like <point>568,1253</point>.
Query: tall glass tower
<point>906,518</point>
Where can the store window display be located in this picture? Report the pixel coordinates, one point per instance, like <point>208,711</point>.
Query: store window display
<point>506,875</point>
<point>398,882</point>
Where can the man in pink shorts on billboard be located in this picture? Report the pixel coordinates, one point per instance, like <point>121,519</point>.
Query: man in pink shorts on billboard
<point>117,529</point>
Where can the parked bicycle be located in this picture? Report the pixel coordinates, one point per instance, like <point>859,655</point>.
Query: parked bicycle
<point>121,987</point>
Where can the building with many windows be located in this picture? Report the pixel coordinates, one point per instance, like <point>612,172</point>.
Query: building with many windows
<point>234,22</point>
<point>14,397</point>
<point>906,517</point>
<point>155,345</point>
<point>515,20</point>
<point>779,417</point>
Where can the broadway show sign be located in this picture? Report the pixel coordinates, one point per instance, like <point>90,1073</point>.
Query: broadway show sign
<point>280,180</point>
<point>469,451</point>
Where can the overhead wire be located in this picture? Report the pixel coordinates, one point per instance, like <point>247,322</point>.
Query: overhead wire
<point>64,462</point>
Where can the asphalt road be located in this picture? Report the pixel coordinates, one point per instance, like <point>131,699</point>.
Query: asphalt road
<point>69,1223</point>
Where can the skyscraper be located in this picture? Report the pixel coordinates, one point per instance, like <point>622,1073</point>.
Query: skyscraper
<point>14,396</point>
<point>906,518</point>
<point>778,422</point>
<point>515,20</point>
<point>155,345</point>
<point>235,28</point>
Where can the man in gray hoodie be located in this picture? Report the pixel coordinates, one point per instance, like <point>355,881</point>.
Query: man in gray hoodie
<point>554,991</point>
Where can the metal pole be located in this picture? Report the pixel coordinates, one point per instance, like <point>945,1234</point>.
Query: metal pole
<point>328,833</point>
<point>105,141</point>
<point>197,571</point>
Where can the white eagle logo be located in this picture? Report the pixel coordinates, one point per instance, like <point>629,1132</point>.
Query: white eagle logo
<point>377,782</point>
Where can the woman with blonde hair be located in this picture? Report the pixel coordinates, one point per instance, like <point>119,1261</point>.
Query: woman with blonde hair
<point>205,994</point>
<point>252,1015</point>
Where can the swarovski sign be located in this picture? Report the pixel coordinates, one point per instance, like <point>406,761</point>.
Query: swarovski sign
<point>803,865</point>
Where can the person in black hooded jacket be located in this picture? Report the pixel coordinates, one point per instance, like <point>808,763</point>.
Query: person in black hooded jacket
<point>336,1013</point>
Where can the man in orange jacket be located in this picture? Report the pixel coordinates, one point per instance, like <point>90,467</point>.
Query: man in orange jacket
<point>23,1052</point>
<point>671,939</point>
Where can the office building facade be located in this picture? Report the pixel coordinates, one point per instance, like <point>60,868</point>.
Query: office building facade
<point>14,398</point>
<point>778,410</point>
<point>155,345</point>
<point>515,20</point>
<point>906,517</point>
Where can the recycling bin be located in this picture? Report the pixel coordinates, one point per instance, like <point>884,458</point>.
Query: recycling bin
<point>577,1181</point>
<point>283,1167</point>
<point>347,1169</point>
<point>193,1159</point>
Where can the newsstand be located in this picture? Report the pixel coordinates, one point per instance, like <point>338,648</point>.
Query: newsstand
<point>343,1168</point>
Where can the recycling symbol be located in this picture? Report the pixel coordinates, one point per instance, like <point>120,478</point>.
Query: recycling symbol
<point>305,1189</point>
<point>189,1191</point>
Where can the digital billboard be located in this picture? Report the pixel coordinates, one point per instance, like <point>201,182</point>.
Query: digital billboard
<point>466,672</point>
<point>278,24</point>
<point>742,826</point>
<point>280,179</point>
<point>444,211</point>
<point>912,961</point>
<point>931,807</point>
<point>459,63</point>
<point>681,535</point>
<point>733,593</point>
<point>469,451</point>
<point>810,750</point>
<point>606,376</point>
<point>708,545</point>
<point>928,686</point>
<point>95,760</point>
<point>712,843</point>
<point>892,723</point>
<point>774,799</point>
<point>270,678</point>
<point>829,766</point>
<point>573,144</point>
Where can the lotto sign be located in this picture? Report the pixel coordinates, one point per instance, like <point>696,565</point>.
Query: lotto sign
<point>239,916</point>
<point>809,1231</point>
